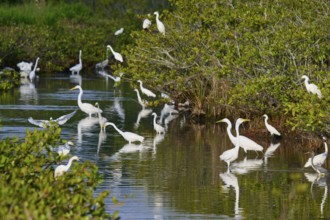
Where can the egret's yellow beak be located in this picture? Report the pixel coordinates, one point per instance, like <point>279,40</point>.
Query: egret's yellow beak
<point>245,119</point>
<point>219,121</point>
<point>73,88</point>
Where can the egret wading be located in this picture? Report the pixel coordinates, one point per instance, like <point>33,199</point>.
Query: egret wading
<point>311,88</point>
<point>65,149</point>
<point>320,170</point>
<point>85,107</point>
<point>78,67</point>
<point>142,102</point>
<point>158,128</point>
<point>61,169</point>
<point>128,136</point>
<point>102,120</point>
<point>319,159</point>
<point>232,154</point>
<point>270,128</point>
<point>32,74</point>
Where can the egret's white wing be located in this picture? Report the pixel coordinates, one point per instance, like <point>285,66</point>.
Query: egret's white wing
<point>39,123</point>
<point>64,118</point>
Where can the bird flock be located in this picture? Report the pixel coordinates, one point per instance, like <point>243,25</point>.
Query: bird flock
<point>228,156</point>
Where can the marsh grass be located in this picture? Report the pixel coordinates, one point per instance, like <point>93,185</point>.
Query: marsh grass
<point>49,15</point>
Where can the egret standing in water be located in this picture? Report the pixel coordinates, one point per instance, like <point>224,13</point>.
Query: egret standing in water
<point>244,142</point>
<point>319,159</point>
<point>86,107</point>
<point>61,169</point>
<point>270,128</point>
<point>142,102</point>
<point>146,91</point>
<point>117,55</point>
<point>312,88</point>
<point>32,74</point>
<point>158,128</point>
<point>128,136</point>
<point>232,154</point>
<point>320,170</point>
<point>160,25</point>
<point>102,120</point>
<point>78,67</point>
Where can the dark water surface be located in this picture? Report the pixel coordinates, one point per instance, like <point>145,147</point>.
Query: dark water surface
<point>173,176</point>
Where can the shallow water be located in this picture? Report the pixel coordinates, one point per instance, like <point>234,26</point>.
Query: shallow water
<point>173,176</point>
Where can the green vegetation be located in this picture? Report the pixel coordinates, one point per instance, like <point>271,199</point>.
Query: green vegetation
<point>29,190</point>
<point>9,79</point>
<point>230,57</point>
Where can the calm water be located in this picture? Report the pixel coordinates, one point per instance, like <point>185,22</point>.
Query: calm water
<point>173,176</point>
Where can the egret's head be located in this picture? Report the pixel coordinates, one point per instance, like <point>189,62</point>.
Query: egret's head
<point>304,77</point>
<point>139,81</point>
<point>226,120</point>
<point>70,143</point>
<point>265,116</point>
<point>156,13</point>
<point>96,104</point>
<point>136,90</point>
<point>154,114</point>
<point>75,158</point>
<point>76,87</point>
<point>324,138</point>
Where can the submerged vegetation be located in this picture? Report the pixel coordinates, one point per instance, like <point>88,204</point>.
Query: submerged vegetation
<point>240,57</point>
<point>29,189</point>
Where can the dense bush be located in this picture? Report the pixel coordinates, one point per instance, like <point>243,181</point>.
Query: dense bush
<point>242,55</point>
<point>9,79</point>
<point>28,189</point>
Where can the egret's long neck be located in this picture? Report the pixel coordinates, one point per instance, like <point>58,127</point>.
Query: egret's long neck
<point>79,97</point>
<point>80,61</point>
<point>326,146</point>
<point>67,167</point>
<point>231,136</point>
<point>139,98</point>
<point>117,129</point>
<point>155,116</point>
<point>35,66</point>
<point>306,81</point>
<point>141,85</point>
<point>157,16</point>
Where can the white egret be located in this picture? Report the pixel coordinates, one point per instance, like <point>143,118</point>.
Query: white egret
<point>160,25</point>
<point>65,149</point>
<point>158,128</point>
<point>128,136</point>
<point>102,120</point>
<point>45,123</point>
<point>117,55</point>
<point>146,24</point>
<point>319,159</point>
<point>146,91</point>
<point>311,88</point>
<point>32,74</point>
<point>320,170</point>
<point>77,68</point>
<point>142,102</point>
<point>25,66</point>
<point>61,169</point>
<point>270,128</point>
<point>105,62</point>
<point>232,154</point>
<point>85,107</point>
<point>244,142</point>
<point>120,31</point>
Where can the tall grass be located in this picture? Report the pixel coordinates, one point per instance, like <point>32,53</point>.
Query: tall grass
<point>50,15</point>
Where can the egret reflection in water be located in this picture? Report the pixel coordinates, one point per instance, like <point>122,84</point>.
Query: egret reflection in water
<point>157,139</point>
<point>246,165</point>
<point>28,92</point>
<point>270,151</point>
<point>322,182</point>
<point>85,125</point>
<point>230,180</point>
<point>144,113</point>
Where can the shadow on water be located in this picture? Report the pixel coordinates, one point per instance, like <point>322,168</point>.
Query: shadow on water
<point>177,175</point>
